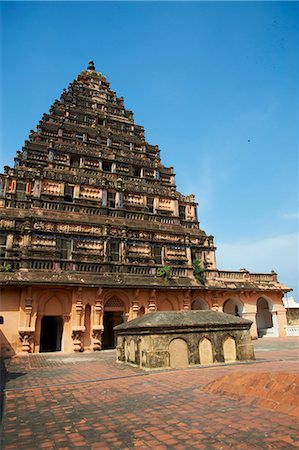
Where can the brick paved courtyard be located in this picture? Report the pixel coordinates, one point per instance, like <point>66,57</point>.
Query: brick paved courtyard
<point>56,401</point>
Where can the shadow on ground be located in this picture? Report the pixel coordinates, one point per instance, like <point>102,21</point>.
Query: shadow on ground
<point>5,376</point>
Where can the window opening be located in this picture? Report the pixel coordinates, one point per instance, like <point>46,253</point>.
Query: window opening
<point>106,166</point>
<point>68,193</point>
<point>158,254</point>
<point>2,245</point>
<point>111,199</point>
<point>182,212</point>
<point>114,251</point>
<point>150,204</point>
<point>65,248</point>
<point>137,171</point>
<point>20,190</point>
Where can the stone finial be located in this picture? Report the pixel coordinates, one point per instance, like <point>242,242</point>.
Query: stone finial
<point>91,65</point>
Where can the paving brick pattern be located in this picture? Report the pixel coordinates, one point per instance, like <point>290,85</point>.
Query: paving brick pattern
<point>87,401</point>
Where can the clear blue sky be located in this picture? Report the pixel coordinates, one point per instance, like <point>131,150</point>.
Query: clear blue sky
<point>214,84</point>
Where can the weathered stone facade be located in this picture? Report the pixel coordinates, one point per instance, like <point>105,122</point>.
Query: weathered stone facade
<point>184,338</point>
<point>94,232</point>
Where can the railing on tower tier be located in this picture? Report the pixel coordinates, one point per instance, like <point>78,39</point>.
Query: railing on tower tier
<point>103,268</point>
<point>242,275</point>
<point>93,210</point>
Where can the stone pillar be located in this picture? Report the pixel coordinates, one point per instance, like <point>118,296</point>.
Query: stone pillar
<point>78,329</point>
<point>37,188</point>
<point>281,322</point>
<point>9,242</point>
<point>26,332</point>
<point>76,191</point>
<point>97,327</point>
<point>123,251</point>
<point>253,329</point>
<point>155,202</point>
<point>176,208</point>
<point>163,254</point>
<point>135,305</point>
<point>105,250</point>
<point>187,300</point>
<point>152,303</point>
<point>189,256</point>
<point>135,309</point>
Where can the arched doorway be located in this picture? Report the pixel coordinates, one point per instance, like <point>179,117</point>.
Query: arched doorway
<point>199,304</point>
<point>233,307</point>
<point>114,311</point>
<point>264,319</point>
<point>51,333</point>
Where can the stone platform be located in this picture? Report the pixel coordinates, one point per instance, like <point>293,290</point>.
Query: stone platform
<point>178,339</point>
<point>58,401</point>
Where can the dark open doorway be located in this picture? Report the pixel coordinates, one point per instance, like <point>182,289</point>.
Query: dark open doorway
<point>51,333</point>
<point>111,319</point>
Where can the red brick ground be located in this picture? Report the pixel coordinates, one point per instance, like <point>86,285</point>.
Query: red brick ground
<point>87,401</point>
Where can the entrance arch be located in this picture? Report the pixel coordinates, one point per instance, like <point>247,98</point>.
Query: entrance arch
<point>114,311</point>
<point>233,307</point>
<point>264,318</point>
<point>51,333</point>
<point>51,325</point>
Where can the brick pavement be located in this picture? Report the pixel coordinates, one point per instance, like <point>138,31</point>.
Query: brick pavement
<point>55,401</point>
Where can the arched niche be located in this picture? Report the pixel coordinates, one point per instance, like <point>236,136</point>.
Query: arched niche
<point>165,305</point>
<point>53,307</point>
<point>59,294</point>
<point>234,307</point>
<point>199,304</point>
<point>114,304</point>
<point>132,351</point>
<point>229,349</point>
<point>205,351</point>
<point>178,353</point>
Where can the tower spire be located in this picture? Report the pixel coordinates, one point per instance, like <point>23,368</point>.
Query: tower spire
<point>91,65</point>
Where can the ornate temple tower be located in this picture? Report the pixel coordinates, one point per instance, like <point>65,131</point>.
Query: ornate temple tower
<point>94,232</point>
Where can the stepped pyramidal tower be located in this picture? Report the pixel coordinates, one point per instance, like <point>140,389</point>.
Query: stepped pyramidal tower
<point>95,233</point>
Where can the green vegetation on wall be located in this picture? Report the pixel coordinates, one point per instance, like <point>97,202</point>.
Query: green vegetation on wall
<point>165,272</point>
<point>198,270</point>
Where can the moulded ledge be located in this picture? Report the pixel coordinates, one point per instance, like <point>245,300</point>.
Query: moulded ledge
<point>78,328</point>
<point>26,330</point>
<point>98,327</point>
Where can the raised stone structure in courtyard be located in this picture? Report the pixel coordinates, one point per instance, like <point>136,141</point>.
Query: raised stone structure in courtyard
<point>180,339</point>
<point>95,233</point>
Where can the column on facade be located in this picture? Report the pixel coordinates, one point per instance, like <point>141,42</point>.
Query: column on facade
<point>25,244</point>
<point>135,304</point>
<point>152,303</point>
<point>249,301</point>
<point>77,328</point>
<point>97,326</point>
<point>26,331</point>
<point>187,300</point>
